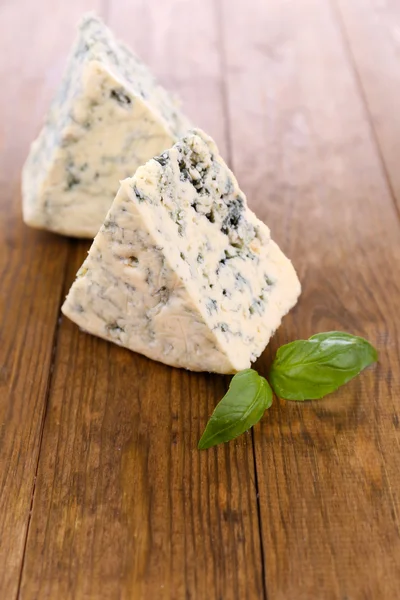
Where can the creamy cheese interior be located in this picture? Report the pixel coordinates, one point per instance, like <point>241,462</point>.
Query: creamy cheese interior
<point>182,271</point>
<point>109,117</point>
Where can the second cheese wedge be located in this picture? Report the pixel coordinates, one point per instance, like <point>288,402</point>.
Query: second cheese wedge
<point>109,117</point>
<point>182,270</point>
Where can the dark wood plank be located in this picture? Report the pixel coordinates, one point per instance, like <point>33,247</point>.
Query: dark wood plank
<point>125,505</point>
<point>32,267</point>
<point>303,149</point>
<point>372,33</point>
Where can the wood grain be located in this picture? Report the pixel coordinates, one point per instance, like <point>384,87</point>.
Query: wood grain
<point>32,266</point>
<point>302,99</point>
<point>125,504</point>
<point>327,471</point>
<point>372,33</point>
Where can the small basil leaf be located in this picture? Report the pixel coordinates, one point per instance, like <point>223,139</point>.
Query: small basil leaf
<point>248,397</point>
<point>311,369</point>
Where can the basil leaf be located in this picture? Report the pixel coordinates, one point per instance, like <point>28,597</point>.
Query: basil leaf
<point>310,369</point>
<point>248,397</point>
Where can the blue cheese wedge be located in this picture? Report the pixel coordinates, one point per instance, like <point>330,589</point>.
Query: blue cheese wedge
<point>182,270</point>
<point>108,118</point>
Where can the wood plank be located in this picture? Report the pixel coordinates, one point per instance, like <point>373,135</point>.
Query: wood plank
<point>304,152</point>
<point>32,268</point>
<point>372,32</point>
<point>125,505</point>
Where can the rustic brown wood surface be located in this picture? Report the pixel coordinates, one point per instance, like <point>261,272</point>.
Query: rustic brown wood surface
<point>327,471</point>
<point>103,494</point>
<point>32,267</point>
<point>371,31</point>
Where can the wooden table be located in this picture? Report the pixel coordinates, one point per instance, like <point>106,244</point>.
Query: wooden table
<point>103,494</point>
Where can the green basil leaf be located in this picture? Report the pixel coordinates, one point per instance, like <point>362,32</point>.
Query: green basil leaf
<point>311,369</point>
<point>248,397</point>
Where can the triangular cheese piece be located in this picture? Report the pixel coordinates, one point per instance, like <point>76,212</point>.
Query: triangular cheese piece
<point>182,270</point>
<point>109,117</point>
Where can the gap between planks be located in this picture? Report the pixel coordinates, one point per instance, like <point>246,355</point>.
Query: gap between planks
<point>105,10</point>
<point>228,141</point>
<point>224,85</point>
<point>338,18</point>
<point>262,552</point>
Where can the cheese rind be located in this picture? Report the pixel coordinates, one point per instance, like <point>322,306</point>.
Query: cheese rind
<point>182,270</point>
<point>108,118</point>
